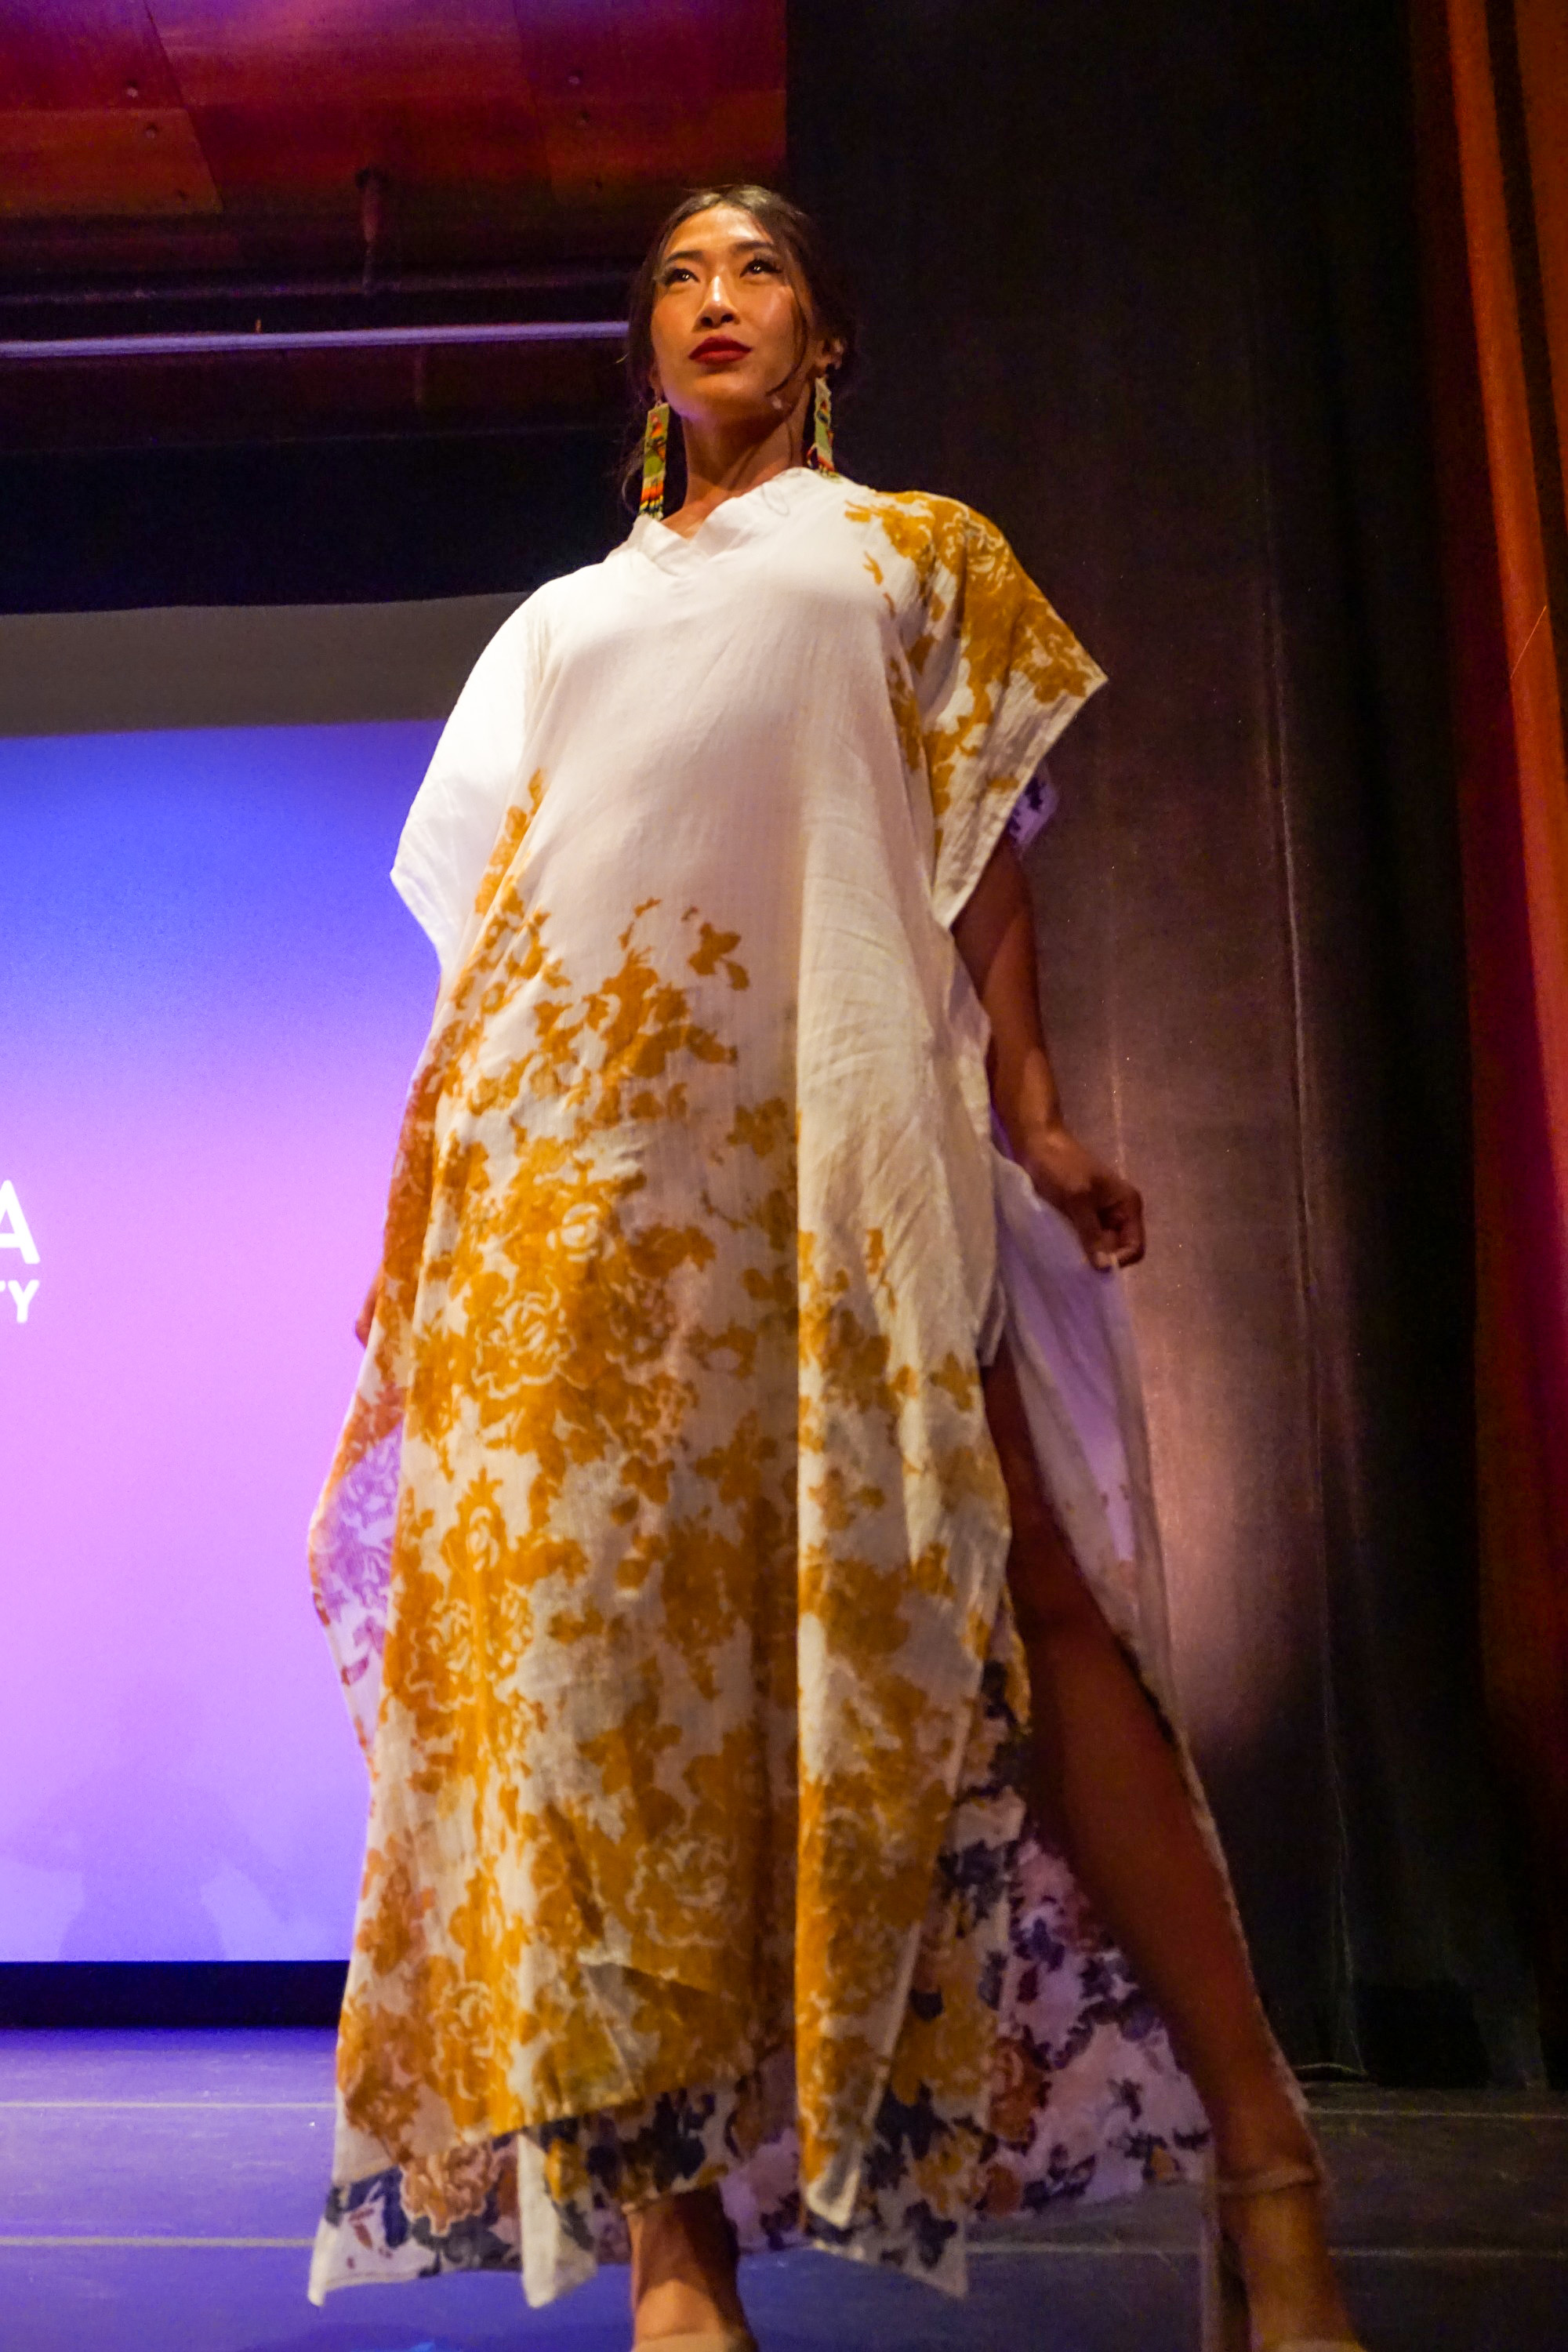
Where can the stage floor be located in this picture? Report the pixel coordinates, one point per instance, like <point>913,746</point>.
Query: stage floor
<point>158,2191</point>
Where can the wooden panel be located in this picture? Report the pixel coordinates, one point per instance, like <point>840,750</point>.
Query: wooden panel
<point>60,53</point>
<point>301,153</point>
<point>291,105</point>
<point>422,53</point>
<point>509,130</point>
<point>657,96</point>
<point>101,159</point>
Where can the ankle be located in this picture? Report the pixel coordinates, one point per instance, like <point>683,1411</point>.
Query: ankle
<point>680,2307</point>
<point>1275,2246</point>
<point>684,2257</point>
<point>1262,2133</point>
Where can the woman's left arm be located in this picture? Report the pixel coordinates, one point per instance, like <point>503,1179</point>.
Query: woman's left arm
<point>995,936</point>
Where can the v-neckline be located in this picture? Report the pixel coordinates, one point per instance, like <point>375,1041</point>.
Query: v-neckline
<point>724,526</point>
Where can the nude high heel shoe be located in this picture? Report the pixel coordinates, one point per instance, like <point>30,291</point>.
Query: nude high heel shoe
<point>1226,2317</point>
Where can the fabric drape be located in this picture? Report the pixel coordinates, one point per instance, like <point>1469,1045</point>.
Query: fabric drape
<point>663,1556</point>
<point>1492,108</point>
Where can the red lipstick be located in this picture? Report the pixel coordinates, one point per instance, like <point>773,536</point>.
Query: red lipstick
<point>720,347</point>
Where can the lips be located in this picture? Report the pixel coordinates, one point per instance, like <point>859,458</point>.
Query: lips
<point>720,347</point>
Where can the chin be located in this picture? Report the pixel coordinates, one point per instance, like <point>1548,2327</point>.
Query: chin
<point>738,407</point>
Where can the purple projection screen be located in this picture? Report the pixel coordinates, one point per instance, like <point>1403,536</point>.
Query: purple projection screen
<point>210,1002</point>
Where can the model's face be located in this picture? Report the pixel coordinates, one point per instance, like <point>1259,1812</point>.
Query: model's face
<point>727,342</point>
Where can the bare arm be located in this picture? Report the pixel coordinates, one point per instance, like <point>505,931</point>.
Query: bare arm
<point>995,936</point>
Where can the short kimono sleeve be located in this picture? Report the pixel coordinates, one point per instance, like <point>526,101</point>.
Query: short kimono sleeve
<point>476,776</point>
<point>997,674</point>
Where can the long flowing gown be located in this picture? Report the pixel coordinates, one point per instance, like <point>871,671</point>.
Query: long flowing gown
<point>663,1551</point>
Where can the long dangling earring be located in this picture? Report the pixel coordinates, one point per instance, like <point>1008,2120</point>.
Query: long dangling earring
<point>820,453</point>
<point>655,441</point>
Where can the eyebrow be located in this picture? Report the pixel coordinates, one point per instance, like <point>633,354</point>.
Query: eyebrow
<point>737,245</point>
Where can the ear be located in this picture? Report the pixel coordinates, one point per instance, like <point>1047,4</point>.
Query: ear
<point>654,385</point>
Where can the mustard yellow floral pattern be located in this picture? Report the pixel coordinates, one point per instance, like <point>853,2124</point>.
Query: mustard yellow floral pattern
<point>663,1550</point>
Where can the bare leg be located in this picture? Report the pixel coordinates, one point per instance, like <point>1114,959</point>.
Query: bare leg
<point>1111,1792</point>
<point>683,2268</point>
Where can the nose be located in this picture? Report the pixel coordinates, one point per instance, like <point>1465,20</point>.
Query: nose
<point>717,308</point>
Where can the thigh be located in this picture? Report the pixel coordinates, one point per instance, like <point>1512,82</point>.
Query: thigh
<point>1049,1595</point>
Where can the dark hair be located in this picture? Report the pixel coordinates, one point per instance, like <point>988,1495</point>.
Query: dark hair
<point>825,310</point>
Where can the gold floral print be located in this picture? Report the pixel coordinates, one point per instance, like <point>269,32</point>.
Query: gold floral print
<point>984,657</point>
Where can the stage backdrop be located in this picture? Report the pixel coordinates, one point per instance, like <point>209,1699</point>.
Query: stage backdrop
<point>212,1002</point>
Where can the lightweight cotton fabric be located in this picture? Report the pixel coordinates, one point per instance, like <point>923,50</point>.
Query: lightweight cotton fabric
<point>663,1551</point>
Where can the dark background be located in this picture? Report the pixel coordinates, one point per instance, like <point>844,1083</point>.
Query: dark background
<point>1139,280</point>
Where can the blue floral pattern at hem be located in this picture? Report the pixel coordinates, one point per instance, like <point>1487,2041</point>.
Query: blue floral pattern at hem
<point>1087,2102</point>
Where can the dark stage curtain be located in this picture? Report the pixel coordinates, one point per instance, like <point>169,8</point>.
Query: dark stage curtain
<point>1140,281</point>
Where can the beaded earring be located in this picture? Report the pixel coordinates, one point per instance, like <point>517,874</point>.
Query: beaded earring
<point>655,441</point>
<point>820,453</point>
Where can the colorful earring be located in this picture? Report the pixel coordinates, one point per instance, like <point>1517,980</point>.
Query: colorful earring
<point>655,441</point>
<point>820,453</point>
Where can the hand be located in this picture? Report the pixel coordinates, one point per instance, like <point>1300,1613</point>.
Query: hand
<point>1104,1210</point>
<point>366,1315</point>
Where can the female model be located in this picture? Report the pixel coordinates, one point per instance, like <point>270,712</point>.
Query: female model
<point>713,1551</point>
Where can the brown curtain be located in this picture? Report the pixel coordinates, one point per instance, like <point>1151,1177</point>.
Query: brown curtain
<point>1141,281</point>
<point>1492,123</point>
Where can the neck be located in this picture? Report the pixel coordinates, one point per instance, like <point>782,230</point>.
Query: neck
<point>723,461</point>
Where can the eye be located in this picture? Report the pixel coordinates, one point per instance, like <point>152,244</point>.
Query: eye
<point>766,263</point>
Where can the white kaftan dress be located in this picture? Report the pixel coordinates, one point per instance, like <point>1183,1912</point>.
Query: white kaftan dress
<point>663,1555</point>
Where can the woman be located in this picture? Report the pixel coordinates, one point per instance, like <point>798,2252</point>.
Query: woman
<point>715,1473</point>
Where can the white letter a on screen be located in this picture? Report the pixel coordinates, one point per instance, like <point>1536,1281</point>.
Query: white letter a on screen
<point>14,1233</point>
